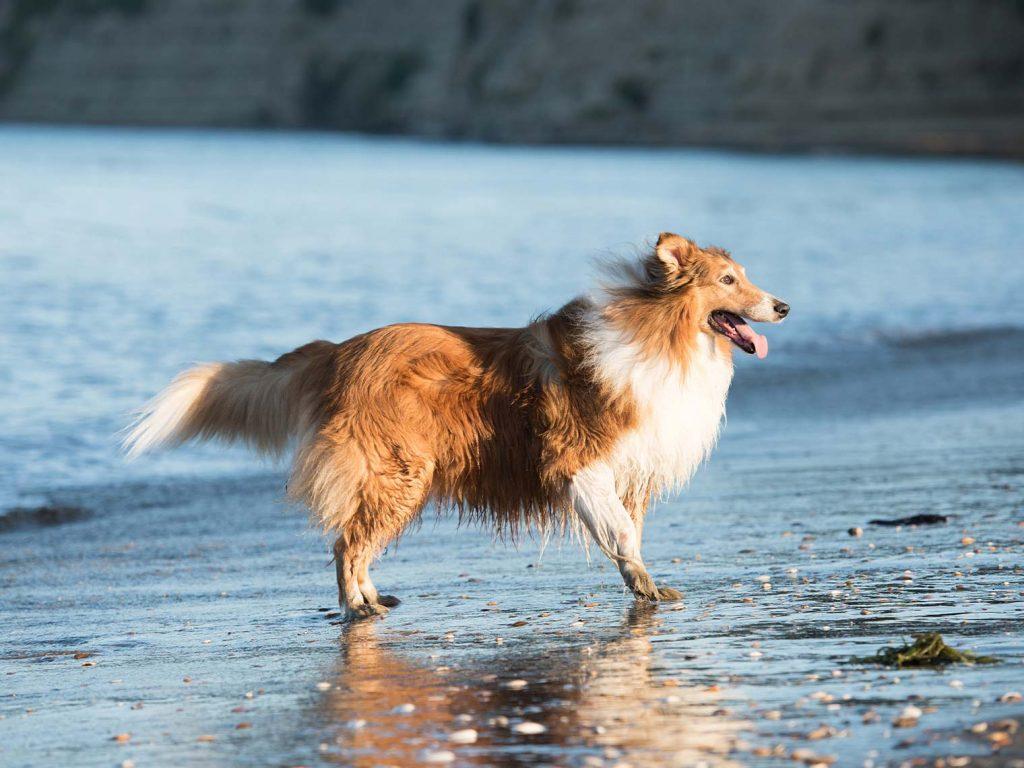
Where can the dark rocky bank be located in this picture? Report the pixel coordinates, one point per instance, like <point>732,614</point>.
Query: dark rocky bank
<point>931,76</point>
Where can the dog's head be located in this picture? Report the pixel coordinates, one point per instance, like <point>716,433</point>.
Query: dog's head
<point>721,295</point>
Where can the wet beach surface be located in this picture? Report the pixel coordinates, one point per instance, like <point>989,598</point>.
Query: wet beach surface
<point>176,611</point>
<point>201,606</point>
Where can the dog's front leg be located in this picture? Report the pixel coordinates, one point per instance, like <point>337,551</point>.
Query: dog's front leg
<point>599,507</point>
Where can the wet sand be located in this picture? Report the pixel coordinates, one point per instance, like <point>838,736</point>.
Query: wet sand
<point>206,608</point>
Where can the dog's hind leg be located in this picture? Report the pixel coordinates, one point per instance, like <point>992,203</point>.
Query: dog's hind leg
<point>599,507</point>
<point>350,596</point>
<point>370,591</point>
<point>391,501</point>
<point>365,540</point>
<point>356,593</point>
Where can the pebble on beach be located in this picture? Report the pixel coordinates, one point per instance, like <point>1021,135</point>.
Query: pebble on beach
<point>436,756</point>
<point>908,717</point>
<point>463,736</point>
<point>528,728</point>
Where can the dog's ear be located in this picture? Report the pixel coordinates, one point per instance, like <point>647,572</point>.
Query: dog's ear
<point>676,254</point>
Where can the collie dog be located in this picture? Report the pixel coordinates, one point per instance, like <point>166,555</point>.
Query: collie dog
<point>584,415</point>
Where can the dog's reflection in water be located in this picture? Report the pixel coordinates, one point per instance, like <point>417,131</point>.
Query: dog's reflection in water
<point>602,700</point>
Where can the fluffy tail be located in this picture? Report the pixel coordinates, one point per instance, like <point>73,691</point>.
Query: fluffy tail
<point>261,404</point>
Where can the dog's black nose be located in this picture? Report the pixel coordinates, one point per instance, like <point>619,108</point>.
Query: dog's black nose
<point>781,308</point>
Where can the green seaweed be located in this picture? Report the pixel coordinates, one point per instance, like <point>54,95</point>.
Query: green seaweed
<point>927,650</point>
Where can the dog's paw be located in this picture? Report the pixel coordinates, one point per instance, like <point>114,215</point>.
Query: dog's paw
<point>642,587</point>
<point>668,595</point>
<point>388,601</point>
<point>365,611</point>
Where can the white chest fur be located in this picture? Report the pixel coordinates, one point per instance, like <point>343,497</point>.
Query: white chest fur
<point>681,409</point>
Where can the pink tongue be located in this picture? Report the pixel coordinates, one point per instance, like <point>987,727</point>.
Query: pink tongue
<point>760,342</point>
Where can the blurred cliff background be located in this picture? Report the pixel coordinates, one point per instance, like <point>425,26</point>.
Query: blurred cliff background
<point>921,76</point>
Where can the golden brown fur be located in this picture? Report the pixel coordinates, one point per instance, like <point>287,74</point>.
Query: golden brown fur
<point>491,422</point>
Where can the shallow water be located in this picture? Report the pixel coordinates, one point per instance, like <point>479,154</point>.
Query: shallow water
<point>894,389</point>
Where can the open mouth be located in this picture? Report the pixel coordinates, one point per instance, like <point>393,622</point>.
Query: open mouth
<point>736,330</point>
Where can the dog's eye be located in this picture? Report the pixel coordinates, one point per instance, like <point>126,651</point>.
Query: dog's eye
<point>728,280</point>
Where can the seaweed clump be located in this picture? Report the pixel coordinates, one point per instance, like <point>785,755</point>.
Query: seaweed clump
<point>927,650</point>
